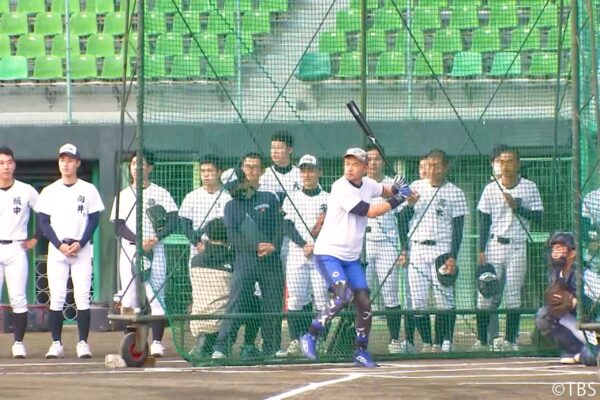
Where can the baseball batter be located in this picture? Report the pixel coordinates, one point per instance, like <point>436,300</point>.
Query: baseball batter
<point>17,200</point>
<point>507,209</point>
<point>152,243</point>
<point>69,210</point>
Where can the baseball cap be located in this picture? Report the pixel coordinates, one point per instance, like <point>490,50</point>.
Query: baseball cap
<point>357,152</point>
<point>565,238</point>
<point>70,150</point>
<point>309,160</point>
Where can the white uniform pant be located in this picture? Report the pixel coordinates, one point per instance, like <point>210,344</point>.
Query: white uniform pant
<point>302,279</point>
<point>155,282</point>
<point>80,268</point>
<point>14,267</point>
<point>422,276</point>
<point>381,258</point>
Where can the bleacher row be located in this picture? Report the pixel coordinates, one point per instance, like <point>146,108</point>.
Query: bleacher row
<point>33,40</point>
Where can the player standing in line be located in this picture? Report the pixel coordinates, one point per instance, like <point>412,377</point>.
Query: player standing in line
<point>507,209</point>
<point>152,243</point>
<point>17,200</point>
<point>339,245</point>
<point>281,178</point>
<point>68,211</point>
<point>436,229</point>
<point>382,252</point>
<point>306,209</point>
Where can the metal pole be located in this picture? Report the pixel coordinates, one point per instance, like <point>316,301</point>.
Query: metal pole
<point>556,175</point>
<point>594,67</point>
<point>363,59</point>
<point>68,62</point>
<point>409,60</point>
<point>238,28</point>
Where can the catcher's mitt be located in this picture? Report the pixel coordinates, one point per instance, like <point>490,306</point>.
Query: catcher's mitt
<point>559,300</point>
<point>158,217</point>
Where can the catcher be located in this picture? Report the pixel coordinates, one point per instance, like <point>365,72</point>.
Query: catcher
<point>556,319</point>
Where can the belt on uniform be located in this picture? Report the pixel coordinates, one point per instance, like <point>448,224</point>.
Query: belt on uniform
<point>69,242</point>
<point>501,240</point>
<point>132,243</point>
<point>6,241</point>
<point>426,242</point>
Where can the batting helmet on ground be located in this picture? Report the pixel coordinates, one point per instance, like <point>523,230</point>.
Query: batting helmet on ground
<point>487,280</point>
<point>445,278</point>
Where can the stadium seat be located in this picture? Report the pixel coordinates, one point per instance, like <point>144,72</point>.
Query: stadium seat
<point>4,6</point>
<point>99,6</point>
<point>169,44</point>
<point>59,46</point>
<point>502,63</point>
<point>167,6</point>
<point>186,23</point>
<point>230,6</point>
<point>348,21</point>
<point>256,22</point>
<point>376,41</point>
<point>349,65</point>
<point>332,42</point>
<point>13,23</point>
<point>58,6</point>
<point>503,15</point>
<point>221,24</point>
<point>391,64</point>
<point>202,6</point>
<point>426,18</point>
<point>464,17</point>
<point>48,68</point>
<point>133,45</point>
<point>433,3</point>
<point>112,67</point>
<point>404,40</point>
<point>246,42</point>
<point>463,3</point>
<point>100,45</point>
<point>31,6</point>
<point>133,5</point>
<point>48,24</point>
<point>83,24</point>
<point>548,17</point>
<point>314,67</point>
<point>155,23</point>
<point>543,65</point>
<point>532,3</point>
<point>371,4</point>
<point>223,65</point>
<point>274,6</point>
<point>387,19</point>
<point>527,37</point>
<point>83,67</point>
<point>114,23</point>
<point>554,35</point>
<point>400,4</point>
<point>13,68</point>
<point>31,46</point>
<point>486,40</point>
<point>154,66</point>
<point>466,64</point>
<point>447,41</point>
<point>186,66</point>
<point>209,43</point>
<point>5,49</point>
<point>423,70</point>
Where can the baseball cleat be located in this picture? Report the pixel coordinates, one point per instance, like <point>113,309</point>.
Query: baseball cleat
<point>446,346</point>
<point>56,350</point>
<point>83,350</point>
<point>157,349</point>
<point>362,358</point>
<point>218,355</point>
<point>308,346</point>
<point>18,350</point>
<point>395,347</point>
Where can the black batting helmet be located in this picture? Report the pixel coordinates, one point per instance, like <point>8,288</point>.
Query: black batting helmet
<point>487,280</point>
<point>445,278</point>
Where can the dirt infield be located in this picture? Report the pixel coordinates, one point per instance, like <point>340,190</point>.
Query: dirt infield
<point>173,378</point>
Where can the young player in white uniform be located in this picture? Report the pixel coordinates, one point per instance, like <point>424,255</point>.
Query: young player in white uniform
<point>382,252</point>
<point>436,228</point>
<point>69,210</point>
<point>152,243</point>
<point>281,178</point>
<point>17,200</point>
<point>507,209</point>
<point>306,209</point>
<point>339,245</point>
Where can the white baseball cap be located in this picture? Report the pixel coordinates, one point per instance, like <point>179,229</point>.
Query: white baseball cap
<point>357,152</point>
<point>308,160</point>
<point>228,175</point>
<point>69,149</point>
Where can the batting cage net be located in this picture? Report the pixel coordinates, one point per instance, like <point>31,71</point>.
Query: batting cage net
<point>243,122</point>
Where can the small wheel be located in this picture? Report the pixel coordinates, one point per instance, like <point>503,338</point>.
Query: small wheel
<point>132,357</point>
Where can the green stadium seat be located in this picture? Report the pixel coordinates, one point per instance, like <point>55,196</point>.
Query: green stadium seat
<point>314,67</point>
<point>423,69</point>
<point>31,6</point>
<point>133,5</point>
<point>59,46</point>
<point>100,45</point>
<point>503,15</point>
<point>154,66</point>
<point>221,24</point>
<point>502,64</point>
<point>4,6</point>
<point>376,41</point>
<point>274,6</point>
<point>464,17</point>
<point>13,23</point>
<point>348,21</point>
<point>349,65</point>
<point>389,4</point>
<point>520,38</point>
<point>467,3</point>
<point>5,49</point>
<point>58,6</point>
<point>48,24</point>
<point>155,23</point>
<point>403,40</point>
<point>186,67</point>
<point>83,67</point>
<point>114,23</point>
<point>209,43</point>
<point>245,40</point>
<point>187,23</point>
<point>543,65</point>
<point>13,68</point>
<point>391,64</point>
<point>223,65</point>
<point>426,18</point>
<point>555,35</point>
<point>202,6</point>
<point>169,44</point>
<point>371,4</point>
<point>31,46</point>
<point>447,41</point>
<point>256,22</point>
<point>486,40</point>
<point>230,6</point>
<point>433,3</point>
<point>167,6</point>
<point>99,6</point>
<point>133,45</point>
<point>112,67</point>
<point>387,19</point>
<point>532,3</point>
<point>467,64</point>
<point>548,17</point>
<point>48,68</point>
<point>332,42</point>
<point>83,24</point>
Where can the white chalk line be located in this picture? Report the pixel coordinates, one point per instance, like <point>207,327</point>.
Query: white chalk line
<point>313,386</point>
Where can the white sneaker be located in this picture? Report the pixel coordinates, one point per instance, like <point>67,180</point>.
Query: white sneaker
<point>570,360</point>
<point>508,346</point>
<point>56,350</point>
<point>498,344</point>
<point>217,355</point>
<point>18,350</point>
<point>446,346</point>
<point>407,347</point>
<point>436,348</point>
<point>83,350</point>
<point>395,346</point>
<point>157,349</point>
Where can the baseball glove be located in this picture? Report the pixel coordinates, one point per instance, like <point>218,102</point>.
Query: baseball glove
<point>559,300</point>
<point>158,217</point>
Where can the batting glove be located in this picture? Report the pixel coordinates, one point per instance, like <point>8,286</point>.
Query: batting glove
<point>400,187</point>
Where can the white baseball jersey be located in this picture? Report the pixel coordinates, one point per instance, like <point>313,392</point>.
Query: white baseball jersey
<point>306,211</point>
<point>504,221</point>
<point>152,195</point>
<point>69,207</point>
<point>343,232</point>
<point>290,181</point>
<point>385,226</point>
<point>434,221</point>
<point>16,204</point>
